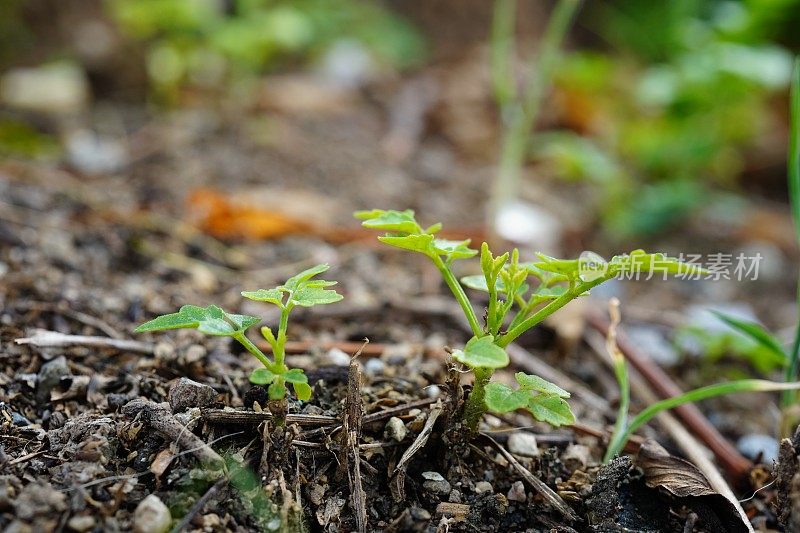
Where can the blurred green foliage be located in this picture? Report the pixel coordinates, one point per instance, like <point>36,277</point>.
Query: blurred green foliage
<point>205,42</point>
<point>18,139</point>
<point>672,108</point>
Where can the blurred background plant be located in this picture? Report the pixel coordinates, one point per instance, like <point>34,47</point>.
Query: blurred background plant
<point>677,105</point>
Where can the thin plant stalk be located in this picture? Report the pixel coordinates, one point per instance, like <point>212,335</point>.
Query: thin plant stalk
<point>793,164</point>
<point>523,111</point>
<point>502,50</point>
<point>460,295</point>
<point>546,311</point>
<point>703,393</point>
<point>621,373</point>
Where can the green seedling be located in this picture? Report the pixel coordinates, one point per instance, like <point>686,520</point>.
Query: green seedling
<point>300,290</point>
<point>521,295</point>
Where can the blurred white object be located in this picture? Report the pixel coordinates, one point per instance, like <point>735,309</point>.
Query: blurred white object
<point>53,88</point>
<point>347,63</point>
<point>92,154</point>
<point>529,225</point>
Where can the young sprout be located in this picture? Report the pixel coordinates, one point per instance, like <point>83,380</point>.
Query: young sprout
<point>300,290</point>
<point>521,295</point>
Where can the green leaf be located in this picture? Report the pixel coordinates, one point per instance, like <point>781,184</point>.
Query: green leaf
<point>482,352</point>
<point>308,297</point>
<point>478,282</point>
<point>528,382</point>
<point>566,267</point>
<point>755,332</point>
<point>210,320</point>
<point>415,243</point>
<point>454,249</point>
<point>276,390</point>
<point>295,375</point>
<point>274,296</point>
<point>501,398</point>
<point>302,391</point>
<point>389,220</point>
<point>298,280</point>
<point>549,293</point>
<point>551,409</point>
<point>262,376</point>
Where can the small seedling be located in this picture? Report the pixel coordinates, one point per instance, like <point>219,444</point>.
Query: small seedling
<point>300,290</point>
<point>529,291</point>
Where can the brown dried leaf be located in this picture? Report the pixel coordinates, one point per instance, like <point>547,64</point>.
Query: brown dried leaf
<point>683,480</point>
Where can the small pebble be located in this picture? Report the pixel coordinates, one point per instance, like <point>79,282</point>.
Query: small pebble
<point>435,483</point>
<point>19,420</point>
<point>455,496</point>
<point>517,492</point>
<point>754,444</point>
<point>576,456</point>
<point>417,513</point>
<point>81,523</point>
<point>434,391</point>
<point>151,516</point>
<point>483,486</point>
<point>395,429</point>
<point>338,357</point>
<point>164,351</point>
<point>49,376</point>
<point>186,393</point>
<point>523,443</point>
<point>374,367</point>
<point>194,354</point>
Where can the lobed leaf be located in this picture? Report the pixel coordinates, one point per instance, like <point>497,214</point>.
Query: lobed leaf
<point>529,382</point>
<point>416,243</point>
<point>273,296</point>
<point>482,352</point>
<point>501,398</point>
<point>211,320</point>
<point>297,280</point>
<point>295,375</point>
<point>262,376</point>
<point>551,409</point>
<point>454,249</point>
<point>309,297</point>
<point>302,391</point>
<point>390,220</point>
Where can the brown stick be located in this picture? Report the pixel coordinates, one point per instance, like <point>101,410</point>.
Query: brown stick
<point>353,418</point>
<point>159,417</point>
<point>734,463</point>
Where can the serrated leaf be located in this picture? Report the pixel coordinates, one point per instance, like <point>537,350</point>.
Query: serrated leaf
<point>274,296</point>
<point>754,331</point>
<point>454,249</point>
<point>478,282</point>
<point>566,267</point>
<point>529,382</point>
<point>262,376</point>
<point>295,375</point>
<point>415,243</point>
<point>308,297</point>
<point>481,352</point>
<point>302,391</point>
<point>297,280</point>
<point>551,409</point>
<point>210,320</point>
<point>389,220</point>
<point>549,293</point>
<point>501,398</point>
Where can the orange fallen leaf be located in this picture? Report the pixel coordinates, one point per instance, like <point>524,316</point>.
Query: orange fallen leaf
<point>227,217</point>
